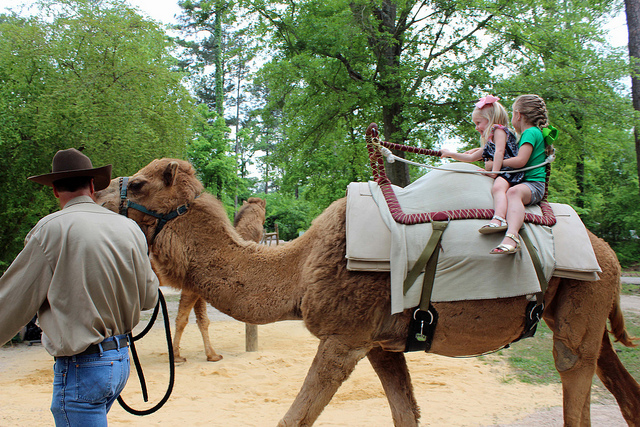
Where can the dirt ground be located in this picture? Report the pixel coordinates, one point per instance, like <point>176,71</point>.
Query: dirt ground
<point>257,388</point>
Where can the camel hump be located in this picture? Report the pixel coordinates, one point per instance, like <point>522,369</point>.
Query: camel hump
<point>258,201</point>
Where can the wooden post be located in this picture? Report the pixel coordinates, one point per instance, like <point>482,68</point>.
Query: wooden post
<point>251,337</point>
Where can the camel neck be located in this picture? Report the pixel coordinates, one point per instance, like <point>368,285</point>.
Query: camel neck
<point>250,282</point>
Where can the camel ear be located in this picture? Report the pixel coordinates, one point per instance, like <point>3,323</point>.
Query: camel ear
<point>170,173</point>
<point>244,203</point>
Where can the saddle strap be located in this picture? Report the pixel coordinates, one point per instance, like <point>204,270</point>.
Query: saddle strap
<point>537,265</point>
<point>534,310</point>
<point>425,317</point>
<point>428,262</point>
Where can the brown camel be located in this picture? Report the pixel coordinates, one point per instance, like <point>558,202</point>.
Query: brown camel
<point>349,312</point>
<point>249,223</point>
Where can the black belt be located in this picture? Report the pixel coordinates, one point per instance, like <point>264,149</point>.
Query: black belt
<point>106,345</point>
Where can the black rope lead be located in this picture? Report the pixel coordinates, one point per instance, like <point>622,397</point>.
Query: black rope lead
<point>172,368</point>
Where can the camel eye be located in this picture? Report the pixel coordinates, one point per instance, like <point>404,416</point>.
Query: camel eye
<point>136,186</point>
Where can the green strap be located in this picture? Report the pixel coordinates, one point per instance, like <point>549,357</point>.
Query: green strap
<point>533,253</point>
<point>428,262</point>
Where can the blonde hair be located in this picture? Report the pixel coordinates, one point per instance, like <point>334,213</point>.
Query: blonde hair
<point>495,114</point>
<point>533,109</point>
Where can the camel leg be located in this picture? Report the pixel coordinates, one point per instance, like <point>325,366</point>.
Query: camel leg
<point>576,392</point>
<point>576,377</point>
<point>203,322</point>
<point>187,301</point>
<point>332,365</point>
<point>392,370</point>
<point>619,382</point>
<point>578,322</point>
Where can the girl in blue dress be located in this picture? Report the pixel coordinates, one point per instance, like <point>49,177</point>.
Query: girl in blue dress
<point>498,143</point>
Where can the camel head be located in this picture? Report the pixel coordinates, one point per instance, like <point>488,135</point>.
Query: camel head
<point>253,210</point>
<point>161,186</point>
<point>257,200</point>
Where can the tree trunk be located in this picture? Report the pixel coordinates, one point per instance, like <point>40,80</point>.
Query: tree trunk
<point>578,118</point>
<point>397,172</point>
<point>390,48</point>
<point>219,89</point>
<point>266,172</point>
<point>237,147</point>
<point>632,8</point>
<point>580,181</point>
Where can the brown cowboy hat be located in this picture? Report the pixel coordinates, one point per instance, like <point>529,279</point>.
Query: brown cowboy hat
<point>71,163</point>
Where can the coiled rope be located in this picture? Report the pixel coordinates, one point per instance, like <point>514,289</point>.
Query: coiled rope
<point>172,368</point>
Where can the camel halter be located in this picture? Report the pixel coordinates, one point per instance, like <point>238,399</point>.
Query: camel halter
<point>125,204</point>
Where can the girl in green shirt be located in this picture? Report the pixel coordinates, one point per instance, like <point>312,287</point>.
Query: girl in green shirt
<point>528,117</point>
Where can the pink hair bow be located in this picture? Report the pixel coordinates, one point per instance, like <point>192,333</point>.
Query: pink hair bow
<point>487,100</point>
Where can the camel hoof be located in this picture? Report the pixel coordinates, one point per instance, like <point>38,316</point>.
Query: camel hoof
<point>214,358</point>
<point>179,359</point>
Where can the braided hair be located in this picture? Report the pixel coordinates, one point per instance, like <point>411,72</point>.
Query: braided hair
<point>533,109</point>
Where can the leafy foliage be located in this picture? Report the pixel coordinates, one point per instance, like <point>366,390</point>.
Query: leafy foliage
<point>580,80</point>
<point>292,215</point>
<point>90,75</point>
<point>417,67</point>
<point>209,153</point>
<point>96,76</point>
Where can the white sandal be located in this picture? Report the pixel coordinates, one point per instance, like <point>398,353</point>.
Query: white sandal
<point>492,227</point>
<point>503,249</point>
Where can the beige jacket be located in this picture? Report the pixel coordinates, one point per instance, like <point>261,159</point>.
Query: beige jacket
<point>85,271</point>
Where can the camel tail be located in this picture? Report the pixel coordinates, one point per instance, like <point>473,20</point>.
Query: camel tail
<point>613,374</point>
<point>618,329</point>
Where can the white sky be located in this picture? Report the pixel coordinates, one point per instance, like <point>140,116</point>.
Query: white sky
<point>166,10</point>
<point>159,10</point>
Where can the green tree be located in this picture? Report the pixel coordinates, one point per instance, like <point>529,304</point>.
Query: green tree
<point>632,9</point>
<point>414,67</point>
<point>339,65</point>
<point>93,75</point>
<point>206,16</point>
<point>211,155</point>
<point>290,214</point>
<point>580,80</point>
<point>216,53</point>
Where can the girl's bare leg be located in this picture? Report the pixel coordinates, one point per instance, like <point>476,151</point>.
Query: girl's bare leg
<point>517,197</point>
<point>499,192</point>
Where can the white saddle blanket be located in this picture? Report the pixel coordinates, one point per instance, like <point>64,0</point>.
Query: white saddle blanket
<point>466,270</point>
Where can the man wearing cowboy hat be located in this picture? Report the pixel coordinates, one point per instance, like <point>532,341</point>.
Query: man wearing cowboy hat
<point>85,271</point>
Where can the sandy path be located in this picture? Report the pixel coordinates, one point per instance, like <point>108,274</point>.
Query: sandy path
<point>256,389</point>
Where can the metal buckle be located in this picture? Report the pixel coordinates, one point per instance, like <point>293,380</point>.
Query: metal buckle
<point>182,210</point>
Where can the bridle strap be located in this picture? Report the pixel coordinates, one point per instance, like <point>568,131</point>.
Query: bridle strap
<point>125,204</point>
<point>124,181</point>
<point>162,219</point>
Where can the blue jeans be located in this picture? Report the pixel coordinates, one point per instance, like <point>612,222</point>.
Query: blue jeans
<point>85,387</point>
